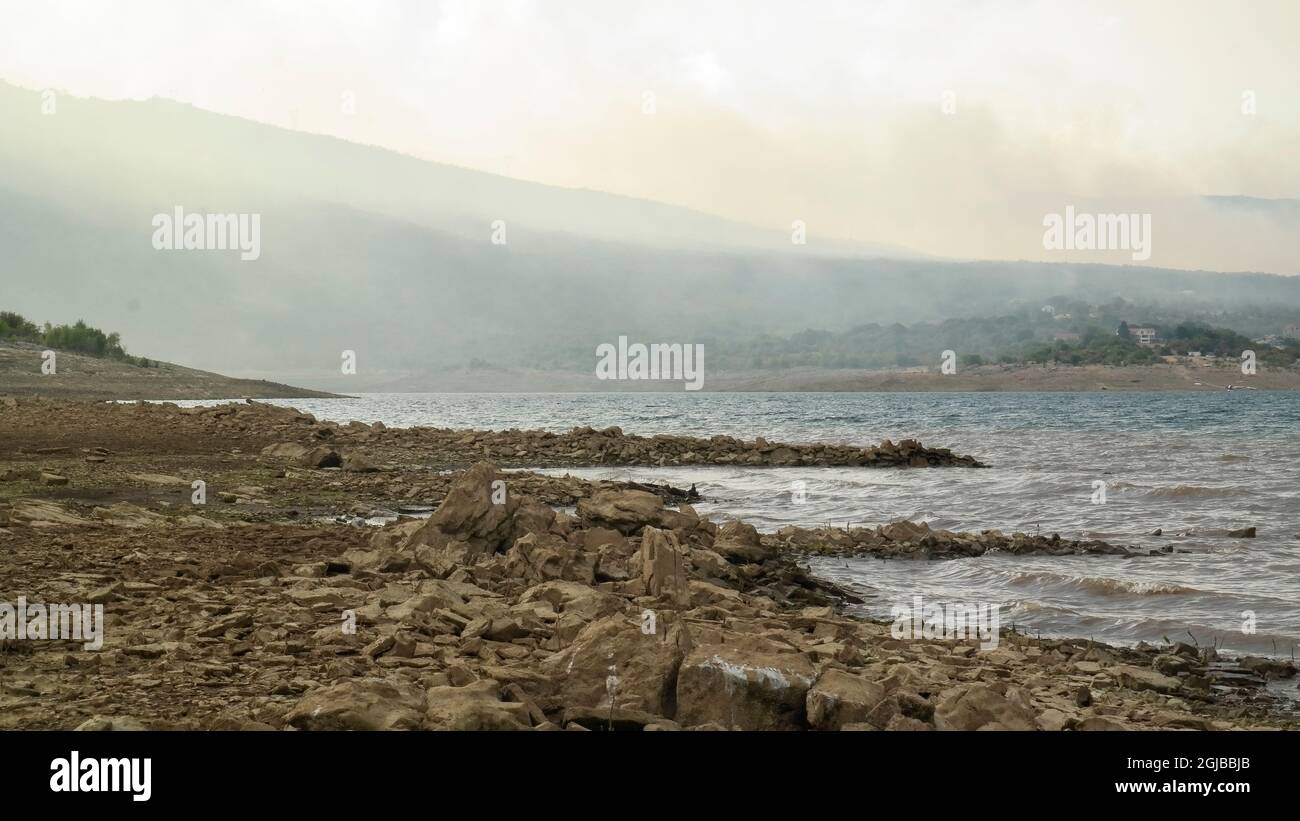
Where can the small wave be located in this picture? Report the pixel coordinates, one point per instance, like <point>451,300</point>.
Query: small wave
<point>1193,492</point>
<point>1103,585</point>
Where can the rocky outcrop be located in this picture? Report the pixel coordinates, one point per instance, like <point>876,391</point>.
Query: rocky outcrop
<point>915,540</point>
<point>296,433</point>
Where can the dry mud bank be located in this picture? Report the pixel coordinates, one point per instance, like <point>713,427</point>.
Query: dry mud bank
<point>258,609</point>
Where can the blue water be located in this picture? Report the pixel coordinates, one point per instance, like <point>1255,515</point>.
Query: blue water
<point>1195,464</point>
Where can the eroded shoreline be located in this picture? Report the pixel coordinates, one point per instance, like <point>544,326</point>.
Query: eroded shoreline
<point>497,611</point>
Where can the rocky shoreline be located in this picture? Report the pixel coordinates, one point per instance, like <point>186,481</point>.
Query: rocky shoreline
<point>497,611</point>
<point>271,424</point>
<point>913,540</point>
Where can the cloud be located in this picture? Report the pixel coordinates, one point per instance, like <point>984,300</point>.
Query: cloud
<point>765,112</point>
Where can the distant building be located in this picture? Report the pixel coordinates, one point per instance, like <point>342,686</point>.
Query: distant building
<point>1065,336</point>
<point>1142,335</point>
<point>1291,331</point>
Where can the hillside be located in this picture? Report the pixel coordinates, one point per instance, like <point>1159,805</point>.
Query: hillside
<point>79,376</point>
<point>364,249</point>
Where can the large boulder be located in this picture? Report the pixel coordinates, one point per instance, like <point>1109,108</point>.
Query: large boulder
<point>739,542</point>
<point>476,706</point>
<point>320,457</point>
<point>285,450</point>
<point>568,597</point>
<point>613,655</point>
<point>359,704</point>
<point>979,707</point>
<point>623,510</point>
<point>356,463</point>
<point>904,531</point>
<point>741,689</point>
<point>663,566</point>
<point>125,514</point>
<point>475,517</point>
<point>840,698</point>
<point>1142,678</point>
<point>545,556</point>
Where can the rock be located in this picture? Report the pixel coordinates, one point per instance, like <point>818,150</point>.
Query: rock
<point>53,479</point>
<point>111,723</point>
<point>619,718</point>
<point>356,463</point>
<point>41,513</point>
<point>663,567</point>
<point>739,542</point>
<point>234,621</point>
<point>469,520</point>
<point>572,598</point>
<point>1243,533</point>
<point>744,690</point>
<point>286,450</point>
<point>897,723</point>
<point>476,706</point>
<point>623,510</point>
<point>158,479</point>
<point>840,698</point>
<point>905,531</point>
<point>1267,668</point>
<point>1172,665</point>
<point>979,707</point>
<point>1141,678</point>
<point>359,704</point>
<point>108,593</point>
<point>539,557</point>
<point>1095,723</point>
<point>124,514</point>
<point>644,667</point>
<point>320,457</point>
<point>1053,720</point>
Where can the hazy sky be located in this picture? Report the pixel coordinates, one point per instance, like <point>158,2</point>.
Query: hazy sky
<point>948,127</point>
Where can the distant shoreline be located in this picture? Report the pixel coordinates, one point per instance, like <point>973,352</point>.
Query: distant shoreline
<point>984,378</point>
<point>1005,378</point>
<point>89,378</point>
